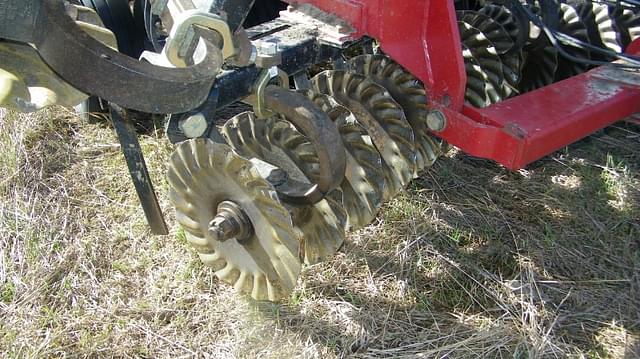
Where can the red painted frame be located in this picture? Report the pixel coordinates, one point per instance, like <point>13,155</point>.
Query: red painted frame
<point>422,35</point>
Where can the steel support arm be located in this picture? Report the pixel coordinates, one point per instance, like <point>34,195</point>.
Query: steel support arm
<point>80,60</point>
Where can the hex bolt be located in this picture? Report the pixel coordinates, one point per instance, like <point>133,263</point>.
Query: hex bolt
<point>222,228</point>
<point>194,126</point>
<point>254,54</point>
<point>230,222</point>
<point>269,48</point>
<point>436,121</point>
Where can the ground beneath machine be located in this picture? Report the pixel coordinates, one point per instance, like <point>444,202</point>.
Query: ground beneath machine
<point>472,260</point>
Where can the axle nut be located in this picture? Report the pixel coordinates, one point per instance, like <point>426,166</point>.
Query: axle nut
<point>230,222</point>
<point>436,121</point>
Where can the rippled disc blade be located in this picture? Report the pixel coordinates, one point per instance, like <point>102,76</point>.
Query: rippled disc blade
<point>515,25</point>
<point>201,175</point>
<point>477,80</point>
<point>409,92</point>
<point>276,141</point>
<point>381,116</point>
<point>512,69</point>
<point>540,57</point>
<point>322,226</point>
<point>571,24</point>
<point>476,46</point>
<point>600,27</point>
<point>539,68</point>
<point>480,34</point>
<point>490,29</point>
<point>627,24</point>
<point>363,186</point>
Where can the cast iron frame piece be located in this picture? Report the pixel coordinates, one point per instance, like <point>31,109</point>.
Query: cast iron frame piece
<point>80,59</point>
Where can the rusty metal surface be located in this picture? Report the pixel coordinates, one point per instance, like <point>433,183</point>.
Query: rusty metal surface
<point>410,94</point>
<point>381,116</point>
<point>323,135</point>
<point>364,183</point>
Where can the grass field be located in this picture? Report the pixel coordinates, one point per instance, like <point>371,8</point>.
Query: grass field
<point>472,261</point>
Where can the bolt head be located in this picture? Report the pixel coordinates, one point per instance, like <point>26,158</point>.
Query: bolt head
<point>215,230</point>
<point>221,228</point>
<point>194,126</point>
<point>269,48</point>
<point>436,121</point>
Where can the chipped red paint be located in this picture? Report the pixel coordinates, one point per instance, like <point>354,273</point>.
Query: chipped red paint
<point>423,37</point>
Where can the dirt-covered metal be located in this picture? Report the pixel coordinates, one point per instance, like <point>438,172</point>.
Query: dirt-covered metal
<point>382,117</point>
<point>275,140</point>
<point>410,94</point>
<point>202,175</point>
<point>79,60</point>
<point>364,185</point>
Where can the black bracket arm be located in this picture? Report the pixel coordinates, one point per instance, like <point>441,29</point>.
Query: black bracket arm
<point>138,169</point>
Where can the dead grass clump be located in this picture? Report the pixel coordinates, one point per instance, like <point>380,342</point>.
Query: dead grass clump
<point>472,261</point>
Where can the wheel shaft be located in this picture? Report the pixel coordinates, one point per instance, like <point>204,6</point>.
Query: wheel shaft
<point>230,222</point>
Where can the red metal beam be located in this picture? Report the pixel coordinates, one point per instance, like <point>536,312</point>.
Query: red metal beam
<point>423,37</point>
<point>525,128</point>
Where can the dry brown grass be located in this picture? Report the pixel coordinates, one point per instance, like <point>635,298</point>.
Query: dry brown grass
<point>473,261</point>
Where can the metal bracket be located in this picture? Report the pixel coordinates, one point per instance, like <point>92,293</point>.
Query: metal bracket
<point>175,132</point>
<point>258,100</point>
<point>178,39</point>
<point>138,169</point>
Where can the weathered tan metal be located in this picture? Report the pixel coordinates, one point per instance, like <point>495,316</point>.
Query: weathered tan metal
<point>363,185</point>
<point>383,119</point>
<point>265,263</point>
<point>409,93</point>
<point>276,141</point>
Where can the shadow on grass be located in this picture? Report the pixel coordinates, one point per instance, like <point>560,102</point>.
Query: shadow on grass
<point>473,261</point>
<point>553,252</point>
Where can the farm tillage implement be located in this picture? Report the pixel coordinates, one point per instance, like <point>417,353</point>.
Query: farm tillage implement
<point>334,105</point>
